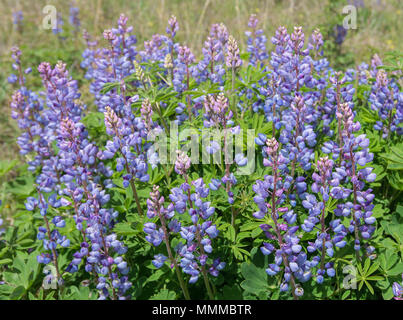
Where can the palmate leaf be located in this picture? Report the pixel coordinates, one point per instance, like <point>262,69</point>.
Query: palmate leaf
<point>250,76</point>
<point>395,163</point>
<point>207,88</point>
<point>392,267</point>
<point>395,166</point>
<point>345,295</point>
<point>399,210</point>
<point>395,230</point>
<point>164,95</point>
<point>75,293</point>
<point>365,274</point>
<point>388,259</point>
<point>395,179</point>
<point>256,278</point>
<point>17,293</point>
<point>230,233</point>
<point>362,94</point>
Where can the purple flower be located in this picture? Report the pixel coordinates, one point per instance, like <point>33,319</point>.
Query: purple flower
<point>159,260</point>
<point>398,290</point>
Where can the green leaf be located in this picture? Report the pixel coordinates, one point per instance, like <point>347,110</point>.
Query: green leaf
<point>81,296</point>
<point>31,296</point>
<point>369,287</point>
<point>255,278</point>
<point>6,166</point>
<point>125,229</point>
<point>359,267</point>
<point>231,233</point>
<point>5,261</point>
<point>155,276</point>
<point>109,86</point>
<point>395,166</point>
<point>242,235</point>
<point>22,187</point>
<point>388,259</point>
<point>82,293</point>
<point>231,293</point>
<point>395,180</point>
<point>164,294</point>
<point>397,270</point>
<point>373,268</point>
<point>250,226</point>
<point>26,242</point>
<point>17,293</point>
<point>345,295</point>
<point>399,210</point>
<point>256,232</point>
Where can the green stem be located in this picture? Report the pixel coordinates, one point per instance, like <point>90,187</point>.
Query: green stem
<point>158,109</point>
<point>136,196</point>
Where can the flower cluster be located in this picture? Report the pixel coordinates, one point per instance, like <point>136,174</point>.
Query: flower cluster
<point>111,64</point>
<point>340,178</point>
<point>75,173</point>
<point>192,253</point>
<point>289,256</point>
<point>233,59</point>
<point>386,99</point>
<point>18,18</point>
<point>128,136</point>
<point>82,186</point>
<point>256,43</point>
<point>327,238</point>
<point>212,65</point>
<point>312,190</point>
